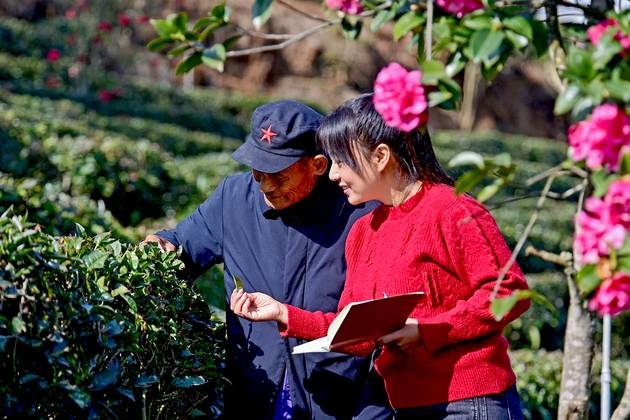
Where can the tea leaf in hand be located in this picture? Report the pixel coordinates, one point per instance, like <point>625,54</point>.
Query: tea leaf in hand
<point>238,283</point>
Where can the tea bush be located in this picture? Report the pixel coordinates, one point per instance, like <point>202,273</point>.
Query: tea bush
<point>93,328</point>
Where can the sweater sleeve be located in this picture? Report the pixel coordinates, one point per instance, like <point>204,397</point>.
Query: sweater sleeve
<point>477,252</point>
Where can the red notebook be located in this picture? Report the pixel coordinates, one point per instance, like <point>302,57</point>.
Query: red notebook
<point>360,322</point>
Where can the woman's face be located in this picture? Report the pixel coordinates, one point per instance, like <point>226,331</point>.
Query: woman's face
<point>358,188</point>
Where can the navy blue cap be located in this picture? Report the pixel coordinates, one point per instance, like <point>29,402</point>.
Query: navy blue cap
<point>282,133</point>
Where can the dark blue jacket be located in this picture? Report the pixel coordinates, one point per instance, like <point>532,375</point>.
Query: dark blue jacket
<point>295,255</point>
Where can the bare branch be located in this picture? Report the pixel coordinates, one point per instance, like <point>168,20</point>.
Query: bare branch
<point>524,235</point>
<point>563,260</point>
<point>290,39</point>
<point>296,10</point>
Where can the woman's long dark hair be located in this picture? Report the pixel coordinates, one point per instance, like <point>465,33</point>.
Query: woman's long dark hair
<point>356,127</point>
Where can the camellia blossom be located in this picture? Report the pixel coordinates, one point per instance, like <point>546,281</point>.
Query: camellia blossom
<point>123,20</point>
<point>595,32</point>
<point>459,7</point>
<point>71,13</point>
<point>601,139</point>
<point>104,26</point>
<point>618,201</point>
<point>53,55</point>
<point>613,295</point>
<point>596,232</point>
<point>399,98</point>
<point>349,7</point>
<point>105,96</point>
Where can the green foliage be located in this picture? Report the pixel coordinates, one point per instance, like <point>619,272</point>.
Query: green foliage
<point>538,381</point>
<point>55,211</point>
<point>109,159</point>
<point>92,328</point>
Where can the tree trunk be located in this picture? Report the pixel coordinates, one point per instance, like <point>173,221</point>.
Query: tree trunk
<point>579,344</point>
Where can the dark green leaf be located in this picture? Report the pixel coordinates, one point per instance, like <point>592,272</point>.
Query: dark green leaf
<point>159,43</point>
<point>179,50</point>
<point>437,97</point>
<point>478,23</point>
<point>625,164</point>
<point>131,302</point>
<point>210,29</point>
<point>490,190</point>
<point>95,259</point>
<point>567,99</point>
<point>261,11</point>
<point>588,280</point>
<point>469,180</point>
<point>520,25</point>
<point>408,22</point>
<point>187,381</point>
<point>179,21</point>
<point>518,41</point>
<point>618,90</point>
<point>238,284</point>
<point>455,64</point>
<point>163,28</point>
<point>218,11</point>
<point>188,64</point>
<point>382,18</point>
<point>204,22</point>
<point>228,43</point>
<point>351,27</point>
<point>485,43</point>
<point>601,182</point>
<point>214,57</point>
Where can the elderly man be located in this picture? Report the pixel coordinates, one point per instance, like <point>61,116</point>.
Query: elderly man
<point>281,229</point>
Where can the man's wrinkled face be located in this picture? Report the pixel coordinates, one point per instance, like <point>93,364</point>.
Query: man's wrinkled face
<point>287,187</point>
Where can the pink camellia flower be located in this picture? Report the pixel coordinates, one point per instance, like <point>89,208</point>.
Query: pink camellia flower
<point>349,7</point>
<point>596,232</point>
<point>618,201</point>
<point>123,20</point>
<point>399,98</point>
<point>141,19</point>
<point>71,13</point>
<point>601,139</point>
<point>595,32</point>
<point>459,7</point>
<point>104,26</point>
<point>613,295</point>
<point>52,82</point>
<point>105,95</point>
<point>53,55</point>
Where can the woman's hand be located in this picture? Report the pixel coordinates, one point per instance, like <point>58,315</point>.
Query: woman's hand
<point>404,339</point>
<point>258,307</point>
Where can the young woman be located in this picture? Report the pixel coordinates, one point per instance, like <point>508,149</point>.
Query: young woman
<point>450,360</point>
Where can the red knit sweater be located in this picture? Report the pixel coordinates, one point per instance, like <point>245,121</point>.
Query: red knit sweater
<point>451,249</point>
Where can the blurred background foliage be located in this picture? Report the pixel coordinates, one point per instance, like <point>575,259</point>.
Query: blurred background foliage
<point>93,130</point>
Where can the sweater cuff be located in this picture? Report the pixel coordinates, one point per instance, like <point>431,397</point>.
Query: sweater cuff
<point>301,324</point>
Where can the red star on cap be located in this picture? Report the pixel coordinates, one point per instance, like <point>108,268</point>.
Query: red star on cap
<point>268,134</point>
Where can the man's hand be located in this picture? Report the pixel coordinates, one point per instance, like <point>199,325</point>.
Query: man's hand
<point>404,339</point>
<point>163,244</point>
<point>258,307</point>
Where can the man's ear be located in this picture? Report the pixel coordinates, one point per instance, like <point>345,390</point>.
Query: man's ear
<point>319,163</point>
<point>381,156</point>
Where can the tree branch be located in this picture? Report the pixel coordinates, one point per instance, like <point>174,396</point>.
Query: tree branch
<point>524,235</point>
<point>563,260</point>
<point>290,39</point>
